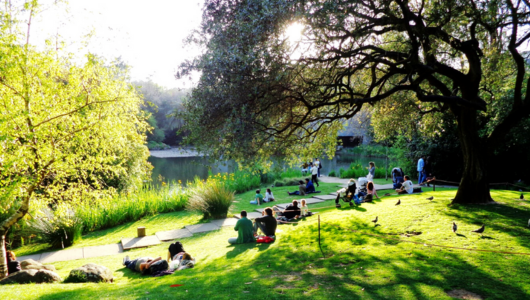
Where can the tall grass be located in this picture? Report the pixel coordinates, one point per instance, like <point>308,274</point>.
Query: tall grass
<point>213,198</point>
<point>243,181</point>
<point>123,208</point>
<point>356,171</point>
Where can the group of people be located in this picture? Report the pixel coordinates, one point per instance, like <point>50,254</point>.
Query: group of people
<point>314,169</point>
<point>259,198</point>
<point>177,259</point>
<point>247,231</point>
<point>304,188</point>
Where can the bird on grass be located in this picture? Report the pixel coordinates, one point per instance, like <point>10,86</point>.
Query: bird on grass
<point>430,198</point>
<point>480,230</point>
<point>521,197</point>
<point>454,227</point>
<point>375,220</point>
<point>399,202</point>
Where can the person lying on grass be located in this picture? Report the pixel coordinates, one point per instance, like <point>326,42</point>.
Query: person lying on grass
<point>291,212</point>
<point>182,261</point>
<point>245,230</point>
<point>146,265</point>
<point>407,187</point>
<point>267,224</point>
<point>301,189</point>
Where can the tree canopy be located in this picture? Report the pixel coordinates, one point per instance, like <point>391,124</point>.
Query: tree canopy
<point>68,131</point>
<point>260,94</point>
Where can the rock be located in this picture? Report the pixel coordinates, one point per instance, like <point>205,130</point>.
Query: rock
<point>90,273</point>
<point>31,276</point>
<point>30,264</point>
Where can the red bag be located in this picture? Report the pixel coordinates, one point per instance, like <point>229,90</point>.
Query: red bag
<point>264,239</point>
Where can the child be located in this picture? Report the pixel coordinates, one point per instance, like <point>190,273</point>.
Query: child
<point>258,199</point>
<point>304,210</point>
<point>268,196</point>
<point>371,192</point>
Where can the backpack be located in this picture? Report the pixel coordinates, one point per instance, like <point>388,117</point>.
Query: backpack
<point>175,249</point>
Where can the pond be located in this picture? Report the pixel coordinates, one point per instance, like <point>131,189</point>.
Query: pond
<point>187,168</point>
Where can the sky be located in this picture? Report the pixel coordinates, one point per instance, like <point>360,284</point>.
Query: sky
<point>148,35</point>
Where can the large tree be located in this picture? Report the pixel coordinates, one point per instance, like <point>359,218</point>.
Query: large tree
<point>66,129</point>
<point>449,57</point>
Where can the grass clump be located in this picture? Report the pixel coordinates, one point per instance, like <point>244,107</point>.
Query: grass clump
<point>56,228</point>
<point>213,198</point>
<point>356,171</point>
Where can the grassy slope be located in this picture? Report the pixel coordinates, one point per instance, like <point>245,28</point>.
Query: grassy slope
<point>358,266</point>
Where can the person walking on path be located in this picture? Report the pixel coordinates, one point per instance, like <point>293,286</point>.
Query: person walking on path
<point>314,174</point>
<point>421,170</point>
<point>245,230</point>
<point>371,171</point>
<point>319,166</point>
<point>267,224</point>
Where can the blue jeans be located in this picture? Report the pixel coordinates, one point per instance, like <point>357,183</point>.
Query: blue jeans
<point>131,264</point>
<point>421,177</point>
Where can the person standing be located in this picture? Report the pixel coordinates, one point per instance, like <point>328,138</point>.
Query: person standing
<point>371,171</point>
<point>421,170</point>
<point>319,166</point>
<point>314,174</point>
<point>245,230</point>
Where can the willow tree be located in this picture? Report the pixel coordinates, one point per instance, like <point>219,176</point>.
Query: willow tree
<point>255,97</point>
<point>65,129</point>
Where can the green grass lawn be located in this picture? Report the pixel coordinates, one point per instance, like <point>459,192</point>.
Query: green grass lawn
<point>362,261</point>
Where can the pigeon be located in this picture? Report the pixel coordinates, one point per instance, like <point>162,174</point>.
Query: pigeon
<point>521,197</point>
<point>480,230</point>
<point>399,202</point>
<point>454,227</point>
<point>430,198</point>
<point>374,220</point>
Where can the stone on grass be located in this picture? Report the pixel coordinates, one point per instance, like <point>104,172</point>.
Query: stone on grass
<point>90,273</point>
<point>30,264</point>
<point>31,276</point>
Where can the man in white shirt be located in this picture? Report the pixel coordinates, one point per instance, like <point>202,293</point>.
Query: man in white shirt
<point>314,174</point>
<point>407,187</point>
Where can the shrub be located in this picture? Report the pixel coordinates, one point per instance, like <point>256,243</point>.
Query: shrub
<point>278,183</point>
<point>213,198</point>
<point>57,229</point>
<point>332,174</point>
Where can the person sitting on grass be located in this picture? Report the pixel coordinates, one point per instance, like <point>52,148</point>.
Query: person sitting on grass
<point>245,230</point>
<point>291,212</point>
<point>407,187</point>
<point>268,196</point>
<point>258,199</point>
<point>174,249</point>
<point>142,264</point>
<point>13,265</point>
<point>370,192</point>
<point>267,224</point>
<point>304,210</point>
<point>310,187</point>
<point>301,189</point>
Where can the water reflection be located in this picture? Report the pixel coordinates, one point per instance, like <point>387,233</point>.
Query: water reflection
<point>187,168</point>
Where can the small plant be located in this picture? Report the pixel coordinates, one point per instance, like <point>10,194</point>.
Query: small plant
<point>57,229</point>
<point>213,198</point>
<point>332,174</point>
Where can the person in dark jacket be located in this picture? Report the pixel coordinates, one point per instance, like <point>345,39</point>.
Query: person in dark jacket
<point>292,211</point>
<point>267,223</point>
<point>309,186</point>
<point>13,265</point>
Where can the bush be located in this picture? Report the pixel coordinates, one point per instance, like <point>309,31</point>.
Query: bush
<point>57,229</point>
<point>332,174</point>
<point>278,183</point>
<point>213,198</point>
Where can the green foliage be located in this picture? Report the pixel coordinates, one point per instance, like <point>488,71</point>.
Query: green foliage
<point>152,145</point>
<point>332,173</point>
<point>58,228</point>
<point>356,171</point>
<point>213,198</point>
<point>125,207</point>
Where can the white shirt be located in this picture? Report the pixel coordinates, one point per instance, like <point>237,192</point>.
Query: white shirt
<point>408,186</point>
<point>268,197</point>
<point>314,170</point>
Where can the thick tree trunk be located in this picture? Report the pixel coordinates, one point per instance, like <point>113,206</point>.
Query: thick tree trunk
<point>474,185</point>
<point>3,258</point>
